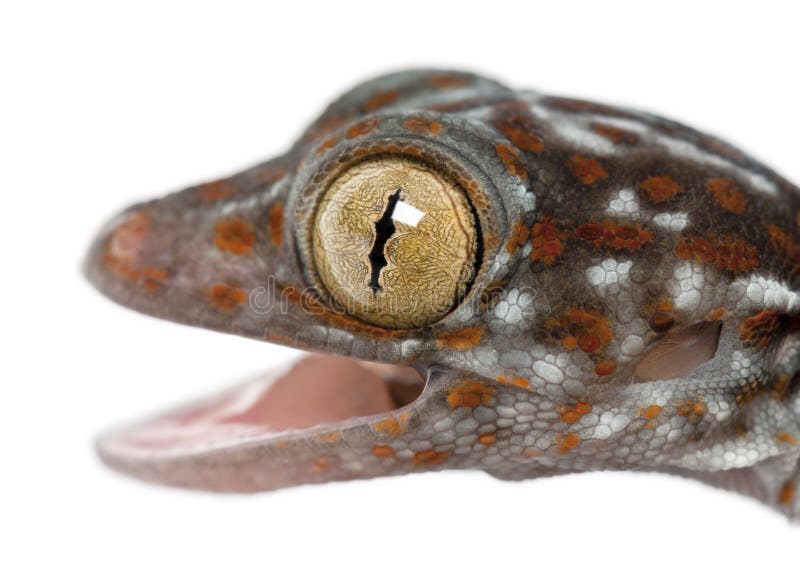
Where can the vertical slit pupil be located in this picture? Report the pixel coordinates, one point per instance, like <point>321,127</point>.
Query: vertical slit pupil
<point>384,229</point>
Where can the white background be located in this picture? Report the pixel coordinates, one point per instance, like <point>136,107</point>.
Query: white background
<point>104,105</point>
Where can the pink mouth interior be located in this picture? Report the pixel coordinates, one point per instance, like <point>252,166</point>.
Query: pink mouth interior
<point>317,390</point>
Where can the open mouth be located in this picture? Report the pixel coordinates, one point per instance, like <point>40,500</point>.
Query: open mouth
<point>319,394</point>
<point>307,250</point>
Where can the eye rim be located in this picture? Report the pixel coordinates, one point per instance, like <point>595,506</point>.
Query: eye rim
<point>320,169</point>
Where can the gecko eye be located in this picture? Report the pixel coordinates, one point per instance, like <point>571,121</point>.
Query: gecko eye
<point>395,242</point>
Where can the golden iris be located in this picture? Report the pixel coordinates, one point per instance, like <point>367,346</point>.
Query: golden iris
<point>395,242</point>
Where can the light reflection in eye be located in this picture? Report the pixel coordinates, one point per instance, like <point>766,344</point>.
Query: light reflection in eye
<point>407,214</point>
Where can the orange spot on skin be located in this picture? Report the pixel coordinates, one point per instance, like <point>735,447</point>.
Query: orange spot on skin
<point>521,131</point>
<point>327,144</point>
<point>692,409</point>
<point>362,128</point>
<point>589,343</point>
<point>151,278</point>
<point>588,171</point>
<point>332,437</point>
<point>567,442</point>
<point>236,236</point>
<point>517,381</point>
<point>511,160</point>
<point>126,239</point>
<point>734,255</point>
<point>320,464</point>
<point>390,425</point>
<point>717,314</point>
<point>573,414</point>
<point>664,305</point>
<point>275,221</point>
<point>447,81</point>
<point>661,188</point>
<point>615,134</point>
<point>382,450</point>
<point>547,241</point>
<point>589,330</point>
<point>783,243</point>
<point>460,340</point>
<point>469,394</point>
<point>379,100</point>
<point>727,195</point>
<point>651,412</point>
<point>487,439</point>
<point>517,237</point>
<point>610,234</point>
<point>422,126</point>
<point>123,251</point>
<point>758,330</point>
<point>786,438</point>
<point>786,494</point>
<point>430,457</point>
<point>605,367</point>
<point>225,297</point>
<point>215,190</point>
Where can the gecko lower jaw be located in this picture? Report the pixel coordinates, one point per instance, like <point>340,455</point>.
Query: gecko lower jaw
<point>318,394</point>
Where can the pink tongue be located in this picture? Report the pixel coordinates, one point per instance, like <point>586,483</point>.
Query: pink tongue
<point>318,389</point>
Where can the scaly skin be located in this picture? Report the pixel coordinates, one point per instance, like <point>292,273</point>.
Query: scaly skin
<point>604,232</point>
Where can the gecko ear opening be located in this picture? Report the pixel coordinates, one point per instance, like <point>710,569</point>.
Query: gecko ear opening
<point>677,355</point>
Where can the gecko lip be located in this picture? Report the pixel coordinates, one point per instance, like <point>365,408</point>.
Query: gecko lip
<point>316,398</point>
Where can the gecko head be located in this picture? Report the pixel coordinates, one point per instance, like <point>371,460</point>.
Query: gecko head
<point>399,241</point>
<point>378,244</point>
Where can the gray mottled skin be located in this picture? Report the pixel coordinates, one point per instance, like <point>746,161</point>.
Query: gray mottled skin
<point>586,269</point>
